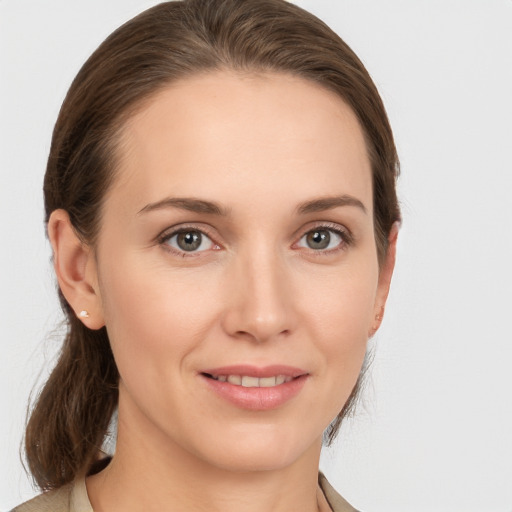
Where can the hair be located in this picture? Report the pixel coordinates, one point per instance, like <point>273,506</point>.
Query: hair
<point>171,41</point>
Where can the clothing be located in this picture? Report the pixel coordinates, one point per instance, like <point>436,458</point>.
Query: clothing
<point>335,501</point>
<point>73,498</point>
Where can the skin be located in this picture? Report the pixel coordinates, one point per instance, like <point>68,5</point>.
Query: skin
<point>259,146</point>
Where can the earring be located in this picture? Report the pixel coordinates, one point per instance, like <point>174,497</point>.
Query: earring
<point>84,314</point>
<point>378,319</point>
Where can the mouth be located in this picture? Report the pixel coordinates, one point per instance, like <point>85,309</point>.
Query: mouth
<point>249,381</point>
<point>256,388</point>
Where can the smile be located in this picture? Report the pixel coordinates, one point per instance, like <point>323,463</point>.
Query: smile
<point>256,388</point>
<point>248,381</point>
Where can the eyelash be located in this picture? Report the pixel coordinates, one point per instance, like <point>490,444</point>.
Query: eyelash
<point>344,234</point>
<point>163,240</point>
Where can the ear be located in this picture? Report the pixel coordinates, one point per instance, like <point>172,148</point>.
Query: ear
<point>75,267</point>
<point>385,275</point>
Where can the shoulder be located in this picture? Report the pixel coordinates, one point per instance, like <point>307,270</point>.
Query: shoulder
<point>65,498</point>
<point>336,502</point>
<point>58,500</point>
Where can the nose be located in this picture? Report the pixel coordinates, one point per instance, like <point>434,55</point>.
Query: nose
<point>260,304</point>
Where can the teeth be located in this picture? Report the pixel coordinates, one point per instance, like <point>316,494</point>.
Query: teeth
<point>267,382</point>
<point>235,379</point>
<point>253,382</point>
<point>250,382</point>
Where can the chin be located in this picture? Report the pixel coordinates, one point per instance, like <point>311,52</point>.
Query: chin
<point>267,448</point>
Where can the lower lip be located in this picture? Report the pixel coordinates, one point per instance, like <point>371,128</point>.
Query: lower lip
<point>257,399</point>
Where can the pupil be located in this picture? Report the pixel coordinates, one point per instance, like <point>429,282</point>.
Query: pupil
<point>189,240</point>
<point>319,239</point>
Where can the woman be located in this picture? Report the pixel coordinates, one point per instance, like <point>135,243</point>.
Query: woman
<point>220,200</point>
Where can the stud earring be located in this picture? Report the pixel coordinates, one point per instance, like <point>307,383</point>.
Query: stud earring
<point>84,314</point>
<point>378,319</point>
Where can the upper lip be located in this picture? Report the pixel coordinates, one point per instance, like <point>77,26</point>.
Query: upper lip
<point>256,371</point>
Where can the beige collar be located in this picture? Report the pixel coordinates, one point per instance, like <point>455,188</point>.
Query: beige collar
<point>328,499</point>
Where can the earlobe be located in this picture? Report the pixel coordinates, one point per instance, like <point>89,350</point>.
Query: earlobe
<point>385,275</point>
<point>75,268</point>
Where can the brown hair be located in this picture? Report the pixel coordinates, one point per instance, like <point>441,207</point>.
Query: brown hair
<point>171,41</point>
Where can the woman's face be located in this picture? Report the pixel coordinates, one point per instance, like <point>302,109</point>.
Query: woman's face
<point>236,252</point>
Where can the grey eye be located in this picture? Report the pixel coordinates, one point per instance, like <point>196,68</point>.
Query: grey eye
<point>318,239</point>
<point>190,241</point>
<point>321,239</point>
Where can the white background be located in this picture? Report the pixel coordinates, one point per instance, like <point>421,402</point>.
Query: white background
<point>436,432</point>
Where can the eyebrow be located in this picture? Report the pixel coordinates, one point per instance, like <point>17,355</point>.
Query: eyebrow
<point>209,207</point>
<point>186,203</point>
<point>329,203</point>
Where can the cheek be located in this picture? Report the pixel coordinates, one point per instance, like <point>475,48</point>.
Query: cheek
<point>150,309</point>
<point>342,304</point>
<point>341,313</point>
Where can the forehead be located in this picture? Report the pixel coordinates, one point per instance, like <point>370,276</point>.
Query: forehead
<point>221,132</point>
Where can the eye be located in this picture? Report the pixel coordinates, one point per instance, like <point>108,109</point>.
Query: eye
<point>322,239</point>
<point>188,241</point>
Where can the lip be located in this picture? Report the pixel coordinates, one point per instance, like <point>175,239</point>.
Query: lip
<point>257,371</point>
<point>256,398</point>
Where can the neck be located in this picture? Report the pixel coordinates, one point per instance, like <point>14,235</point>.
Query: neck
<point>149,474</point>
